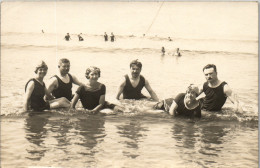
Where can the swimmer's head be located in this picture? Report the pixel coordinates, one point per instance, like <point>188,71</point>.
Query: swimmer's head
<point>210,72</point>
<point>210,66</point>
<point>193,90</point>
<point>92,70</point>
<point>190,97</point>
<point>137,63</point>
<point>41,64</point>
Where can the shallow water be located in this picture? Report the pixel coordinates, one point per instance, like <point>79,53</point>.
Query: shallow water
<point>137,138</point>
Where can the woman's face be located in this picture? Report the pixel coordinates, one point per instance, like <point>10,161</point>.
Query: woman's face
<point>41,72</point>
<point>93,76</point>
<point>190,94</point>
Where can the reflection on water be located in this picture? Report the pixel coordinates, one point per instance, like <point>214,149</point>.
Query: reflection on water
<point>133,131</point>
<point>92,131</point>
<point>36,134</point>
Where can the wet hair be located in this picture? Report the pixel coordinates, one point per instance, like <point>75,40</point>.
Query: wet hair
<point>137,63</point>
<point>41,64</point>
<point>64,60</point>
<point>92,69</point>
<point>210,66</point>
<point>193,88</point>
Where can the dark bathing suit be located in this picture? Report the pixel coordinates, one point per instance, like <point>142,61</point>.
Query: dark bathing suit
<point>129,92</point>
<point>112,38</point>
<point>90,99</point>
<point>64,89</point>
<point>67,37</point>
<point>106,37</point>
<point>37,102</point>
<point>181,109</point>
<point>215,97</point>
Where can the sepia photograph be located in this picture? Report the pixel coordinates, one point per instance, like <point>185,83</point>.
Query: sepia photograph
<point>123,84</point>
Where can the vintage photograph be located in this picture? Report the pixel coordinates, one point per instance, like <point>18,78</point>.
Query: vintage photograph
<point>123,84</point>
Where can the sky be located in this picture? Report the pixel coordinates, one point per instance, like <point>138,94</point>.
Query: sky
<point>227,20</point>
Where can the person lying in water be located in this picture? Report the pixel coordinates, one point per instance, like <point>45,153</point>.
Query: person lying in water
<point>92,94</point>
<point>35,91</point>
<point>184,104</point>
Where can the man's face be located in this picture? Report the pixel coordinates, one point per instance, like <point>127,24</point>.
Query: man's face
<point>135,71</point>
<point>64,68</point>
<point>210,74</point>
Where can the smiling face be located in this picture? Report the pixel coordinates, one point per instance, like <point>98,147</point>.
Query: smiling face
<point>64,68</point>
<point>135,71</point>
<point>93,76</point>
<point>210,74</point>
<point>41,72</point>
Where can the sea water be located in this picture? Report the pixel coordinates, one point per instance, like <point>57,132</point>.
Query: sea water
<point>136,137</point>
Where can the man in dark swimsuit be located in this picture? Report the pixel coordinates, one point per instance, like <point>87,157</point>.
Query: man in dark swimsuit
<point>61,84</point>
<point>105,36</point>
<point>112,37</point>
<point>67,37</point>
<point>132,85</point>
<point>215,91</point>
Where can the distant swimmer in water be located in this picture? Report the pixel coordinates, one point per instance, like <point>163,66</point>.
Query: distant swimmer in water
<point>177,52</point>
<point>163,50</point>
<point>106,36</point>
<point>112,37</point>
<point>35,91</point>
<point>80,38</point>
<point>184,104</point>
<point>169,38</point>
<point>67,37</point>
<point>215,92</point>
<point>132,85</point>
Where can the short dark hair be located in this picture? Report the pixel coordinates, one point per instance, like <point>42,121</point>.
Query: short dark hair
<point>137,63</point>
<point>64,60</point>
<point>91,69</point>
<point>210,66</point>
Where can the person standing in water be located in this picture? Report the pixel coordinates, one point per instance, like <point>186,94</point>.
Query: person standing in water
<point>163,51</point>
<point>177,53</point>
<point>35,91</point>
<point>80,38</point>
<point>112,37</point>
<point>106,36</point>
<point>132,84</point>
<point>67,37</point>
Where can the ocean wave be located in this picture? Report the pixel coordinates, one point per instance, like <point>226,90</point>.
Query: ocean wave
<point>118,49</point>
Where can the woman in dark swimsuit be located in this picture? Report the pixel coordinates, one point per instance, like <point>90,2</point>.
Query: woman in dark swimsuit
<point>92,94</point>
